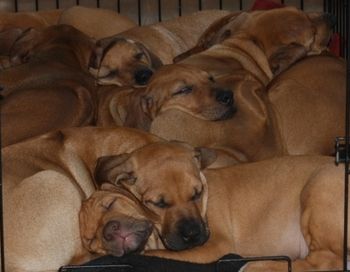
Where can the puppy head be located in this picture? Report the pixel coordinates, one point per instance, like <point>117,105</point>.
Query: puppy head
<point>122,62</point>
<point>189,89</point>
<point>166,177</point>
<point>114,222</point>
<point>285,34</point>
<point>52,41</point>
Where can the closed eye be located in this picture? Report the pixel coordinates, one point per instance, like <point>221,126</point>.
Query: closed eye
<point>197,194</point>
<point>107,205</point>
<point>184,90</point>
<point>139,56</point>
<point>159,204</point>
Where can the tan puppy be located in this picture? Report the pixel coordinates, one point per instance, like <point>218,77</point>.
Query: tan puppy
<point>176,191</point>
<point>97,23</point>
<point>130,58</point>
<point>50,90</point>
<point>248,55</point>
<point>301,112</point>
<point>286,206</point>
<point>257,44</point>
<point>44,181</point>
<point>25,20</point>
<point>179,87</point>
<point>114,223</point>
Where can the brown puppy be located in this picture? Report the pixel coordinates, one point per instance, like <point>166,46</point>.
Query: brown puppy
<point>249,59</point>
<point>52,88</point>
<point>260,46</point>
<point>13,24</point>
<point>176,192</point>
<point>179,87</point>
<point>249,54</point>
<point>97,23</point>
<point>44,181</point>
<point>114,223</point>
<point>130,58</point>
<point>301,112</point>
<point>286,206</point>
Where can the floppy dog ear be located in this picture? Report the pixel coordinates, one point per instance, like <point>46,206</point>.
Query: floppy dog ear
<point>285,57</point>
<point>23,46</point>
<point>152,58</point>
<point>101,48</point>
<point>148,106</point>
<point>217,32</point>
<point>114,169</point>
<point>206,156</point>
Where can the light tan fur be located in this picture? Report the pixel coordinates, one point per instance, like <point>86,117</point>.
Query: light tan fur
<point>181,212</point>
<point>285,206</point>
<point>301,112</point>
<point>119,57</point>
<point>246,61</point>
<point>97,23</point>
<point>25,20</point>
<point>44,181</point>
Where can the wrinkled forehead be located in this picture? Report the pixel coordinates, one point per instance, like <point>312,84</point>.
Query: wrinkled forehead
<point>163,151</point>
<point>121,50</point>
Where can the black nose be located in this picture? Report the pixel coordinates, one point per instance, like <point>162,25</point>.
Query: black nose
<point>190,231</point>
<point>142,76</point>
<point>224,97</point>
<point>330,19</point>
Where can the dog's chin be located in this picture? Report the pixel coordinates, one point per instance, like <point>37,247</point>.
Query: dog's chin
<point>228,114</point>
<point>173,241</point>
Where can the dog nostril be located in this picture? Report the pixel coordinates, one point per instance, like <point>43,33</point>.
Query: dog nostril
<point>142,76</point>
<point>190,231</point>
<point>110,229</point>
<point>224,97</point>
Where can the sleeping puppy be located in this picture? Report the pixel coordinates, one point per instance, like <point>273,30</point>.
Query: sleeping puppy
<point>172,186</point>
<point>180,87</point>
<point>52,88</point>
<point>113,221</point>
<point>290,206</point>
<point>256,37</point>
<point>131,57</point>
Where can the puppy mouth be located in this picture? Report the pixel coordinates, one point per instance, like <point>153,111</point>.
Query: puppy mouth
<point>227,114</point>
<point>119,241</point>
<point>188,234</point>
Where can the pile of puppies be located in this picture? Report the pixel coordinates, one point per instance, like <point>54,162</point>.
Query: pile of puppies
<point>90,112</point>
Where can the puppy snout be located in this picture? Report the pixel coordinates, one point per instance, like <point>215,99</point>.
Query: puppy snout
<point>190,231</point>
<point>330,19</point>
<point>110,229</point>
<point>224,97</point>
<point>142,76</point>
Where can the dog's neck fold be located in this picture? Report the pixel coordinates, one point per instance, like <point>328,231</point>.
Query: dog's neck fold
<point>252,59</point>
